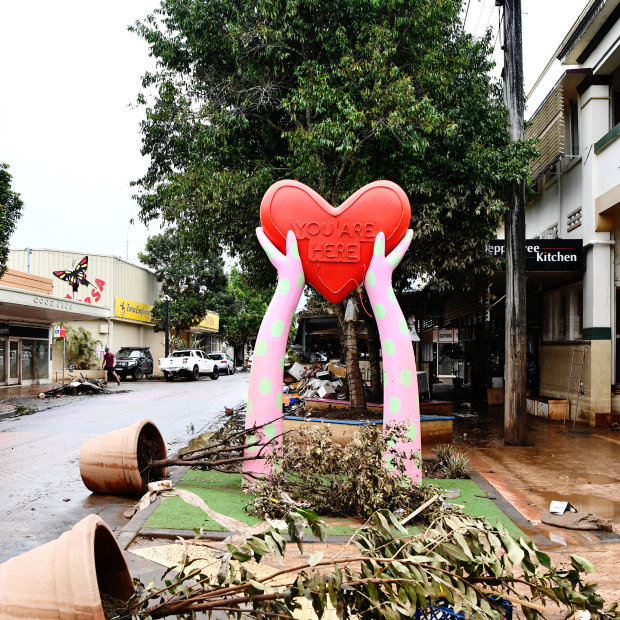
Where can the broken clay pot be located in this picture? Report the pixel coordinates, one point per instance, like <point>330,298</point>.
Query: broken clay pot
<point>66,577</point>
<point>117,463</point>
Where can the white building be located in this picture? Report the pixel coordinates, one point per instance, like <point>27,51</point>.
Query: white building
<point>575,113</point>
<point>106,295</point>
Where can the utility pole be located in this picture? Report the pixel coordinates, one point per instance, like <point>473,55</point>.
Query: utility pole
<point>515,409</point>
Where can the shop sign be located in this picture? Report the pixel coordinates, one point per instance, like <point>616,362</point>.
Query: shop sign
<point>133,310</point>
<point>211,321</point>
<point>546,254</point>
<point>445,335</point>
<point>22,331</point>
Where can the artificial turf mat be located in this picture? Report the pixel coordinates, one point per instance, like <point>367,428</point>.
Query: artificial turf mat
<point>223,494</point>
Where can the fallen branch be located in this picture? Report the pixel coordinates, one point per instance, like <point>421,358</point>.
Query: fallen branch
<point>418,510</point>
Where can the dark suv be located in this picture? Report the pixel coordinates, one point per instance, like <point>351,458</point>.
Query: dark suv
<point>134,361</point>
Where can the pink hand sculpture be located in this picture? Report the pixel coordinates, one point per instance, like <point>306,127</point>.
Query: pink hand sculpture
<point>264,408</point>
<point>400,382</point>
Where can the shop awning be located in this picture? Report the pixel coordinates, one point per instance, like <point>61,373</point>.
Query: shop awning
<point>33,307</point>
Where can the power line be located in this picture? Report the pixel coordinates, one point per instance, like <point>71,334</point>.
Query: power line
<point>479,16</point>
<point>466,12</point>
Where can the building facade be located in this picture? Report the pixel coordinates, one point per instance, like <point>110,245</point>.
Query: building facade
<point>28,311</point>
<point>575,197</point>
<point>120,294</point>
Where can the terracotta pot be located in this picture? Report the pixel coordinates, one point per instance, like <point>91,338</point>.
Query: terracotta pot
<point>117,463</point>
<point>66,577</point>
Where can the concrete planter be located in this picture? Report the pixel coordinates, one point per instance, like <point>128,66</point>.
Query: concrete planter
<point>435,429</point>
<point>65,578</point>
<point>115,464</point>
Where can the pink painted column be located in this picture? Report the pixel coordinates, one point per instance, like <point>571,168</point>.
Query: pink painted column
<point>264,405</point>
<point>400,382</point>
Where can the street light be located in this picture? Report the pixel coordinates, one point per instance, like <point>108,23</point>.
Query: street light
<point>167,327</point>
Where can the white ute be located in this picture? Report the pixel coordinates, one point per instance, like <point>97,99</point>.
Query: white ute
<point>188,362</point>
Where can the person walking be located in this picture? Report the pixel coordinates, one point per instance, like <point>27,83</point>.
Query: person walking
<point>108,366</point>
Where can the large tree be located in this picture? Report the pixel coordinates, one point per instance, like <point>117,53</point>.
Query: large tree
<point>334,94</point>
<point>241,319</point>
<point>194,281</point>
<point>10,211</point>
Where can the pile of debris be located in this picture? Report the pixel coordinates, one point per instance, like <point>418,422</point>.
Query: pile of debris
<point>314,381</point>
<point>76,387</point>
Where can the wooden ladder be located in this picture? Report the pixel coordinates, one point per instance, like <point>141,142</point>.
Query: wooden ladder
<point>572,377</point>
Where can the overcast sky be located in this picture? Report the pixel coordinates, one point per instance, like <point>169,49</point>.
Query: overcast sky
<point>70,71</point>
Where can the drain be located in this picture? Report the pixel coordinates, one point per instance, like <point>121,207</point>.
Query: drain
<point>608,536</point>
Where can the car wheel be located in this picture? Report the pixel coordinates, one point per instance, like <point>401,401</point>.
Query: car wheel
<point>137,374</point>
<point>168,376</point>
<point>234,369</point>
<point>215,374</point>
<point>195,373</point>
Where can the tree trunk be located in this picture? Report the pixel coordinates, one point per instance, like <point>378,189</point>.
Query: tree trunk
<point>376,391</point>
<point>357,398</point>
<point>515,360</point>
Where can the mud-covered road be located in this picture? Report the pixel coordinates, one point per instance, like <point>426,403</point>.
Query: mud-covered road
<point>41,491</point>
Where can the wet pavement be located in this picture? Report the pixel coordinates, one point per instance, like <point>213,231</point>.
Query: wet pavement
<point>580,466</point>
<point>40,455</point>
<point>41,488</point>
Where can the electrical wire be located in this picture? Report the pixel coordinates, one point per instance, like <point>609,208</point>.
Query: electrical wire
<point>479,16</point>
<point>466,12</point>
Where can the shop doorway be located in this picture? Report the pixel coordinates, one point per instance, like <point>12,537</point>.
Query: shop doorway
<point>14,366</point>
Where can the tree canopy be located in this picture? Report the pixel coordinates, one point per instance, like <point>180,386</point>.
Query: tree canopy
<point>194,281</point>
<point>241,319</point>
<point>333,94</point>
<point>10,211</point>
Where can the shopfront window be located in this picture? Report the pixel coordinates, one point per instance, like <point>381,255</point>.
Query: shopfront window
<point>2,360</point>
<point>34,359</point>
<point>563,315</point>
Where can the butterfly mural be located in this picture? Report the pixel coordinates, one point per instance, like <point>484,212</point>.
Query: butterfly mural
<point>75,277</point>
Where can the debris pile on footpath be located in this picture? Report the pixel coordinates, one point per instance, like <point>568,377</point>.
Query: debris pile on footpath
<point>313,381</point>
<point>76,386</point>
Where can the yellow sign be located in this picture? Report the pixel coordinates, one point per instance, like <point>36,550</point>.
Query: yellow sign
<point>134,310</point>
<point>211,321</point>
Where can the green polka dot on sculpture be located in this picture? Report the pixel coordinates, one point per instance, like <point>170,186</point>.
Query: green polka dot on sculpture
<point>391,295</point>
<point>371,278</point>
<point>404,328</point>
<point>277,327</point>
<point>394,258</point>
<point>380,247</point>
<point>264,387</point>
<point>385,378</point>
<point>295,249</point>
<point>406,377</point>
<point>279,401</point>
<point>248,408</point>
<point>253,439</point>
<point>271,253</point>
<point>394,404</point>
<point>282,364</point>
<point>270,430</point>
<point>391,443</point>
<point>380,311</point>
<point>412,432</point>
<point>389,463</point>
<point>261,348</point>
<point>300,280</point>
<point>389,347</point>
<point>284,286</point>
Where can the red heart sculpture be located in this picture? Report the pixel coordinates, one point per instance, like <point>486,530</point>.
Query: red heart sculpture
<point>335,243</point>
